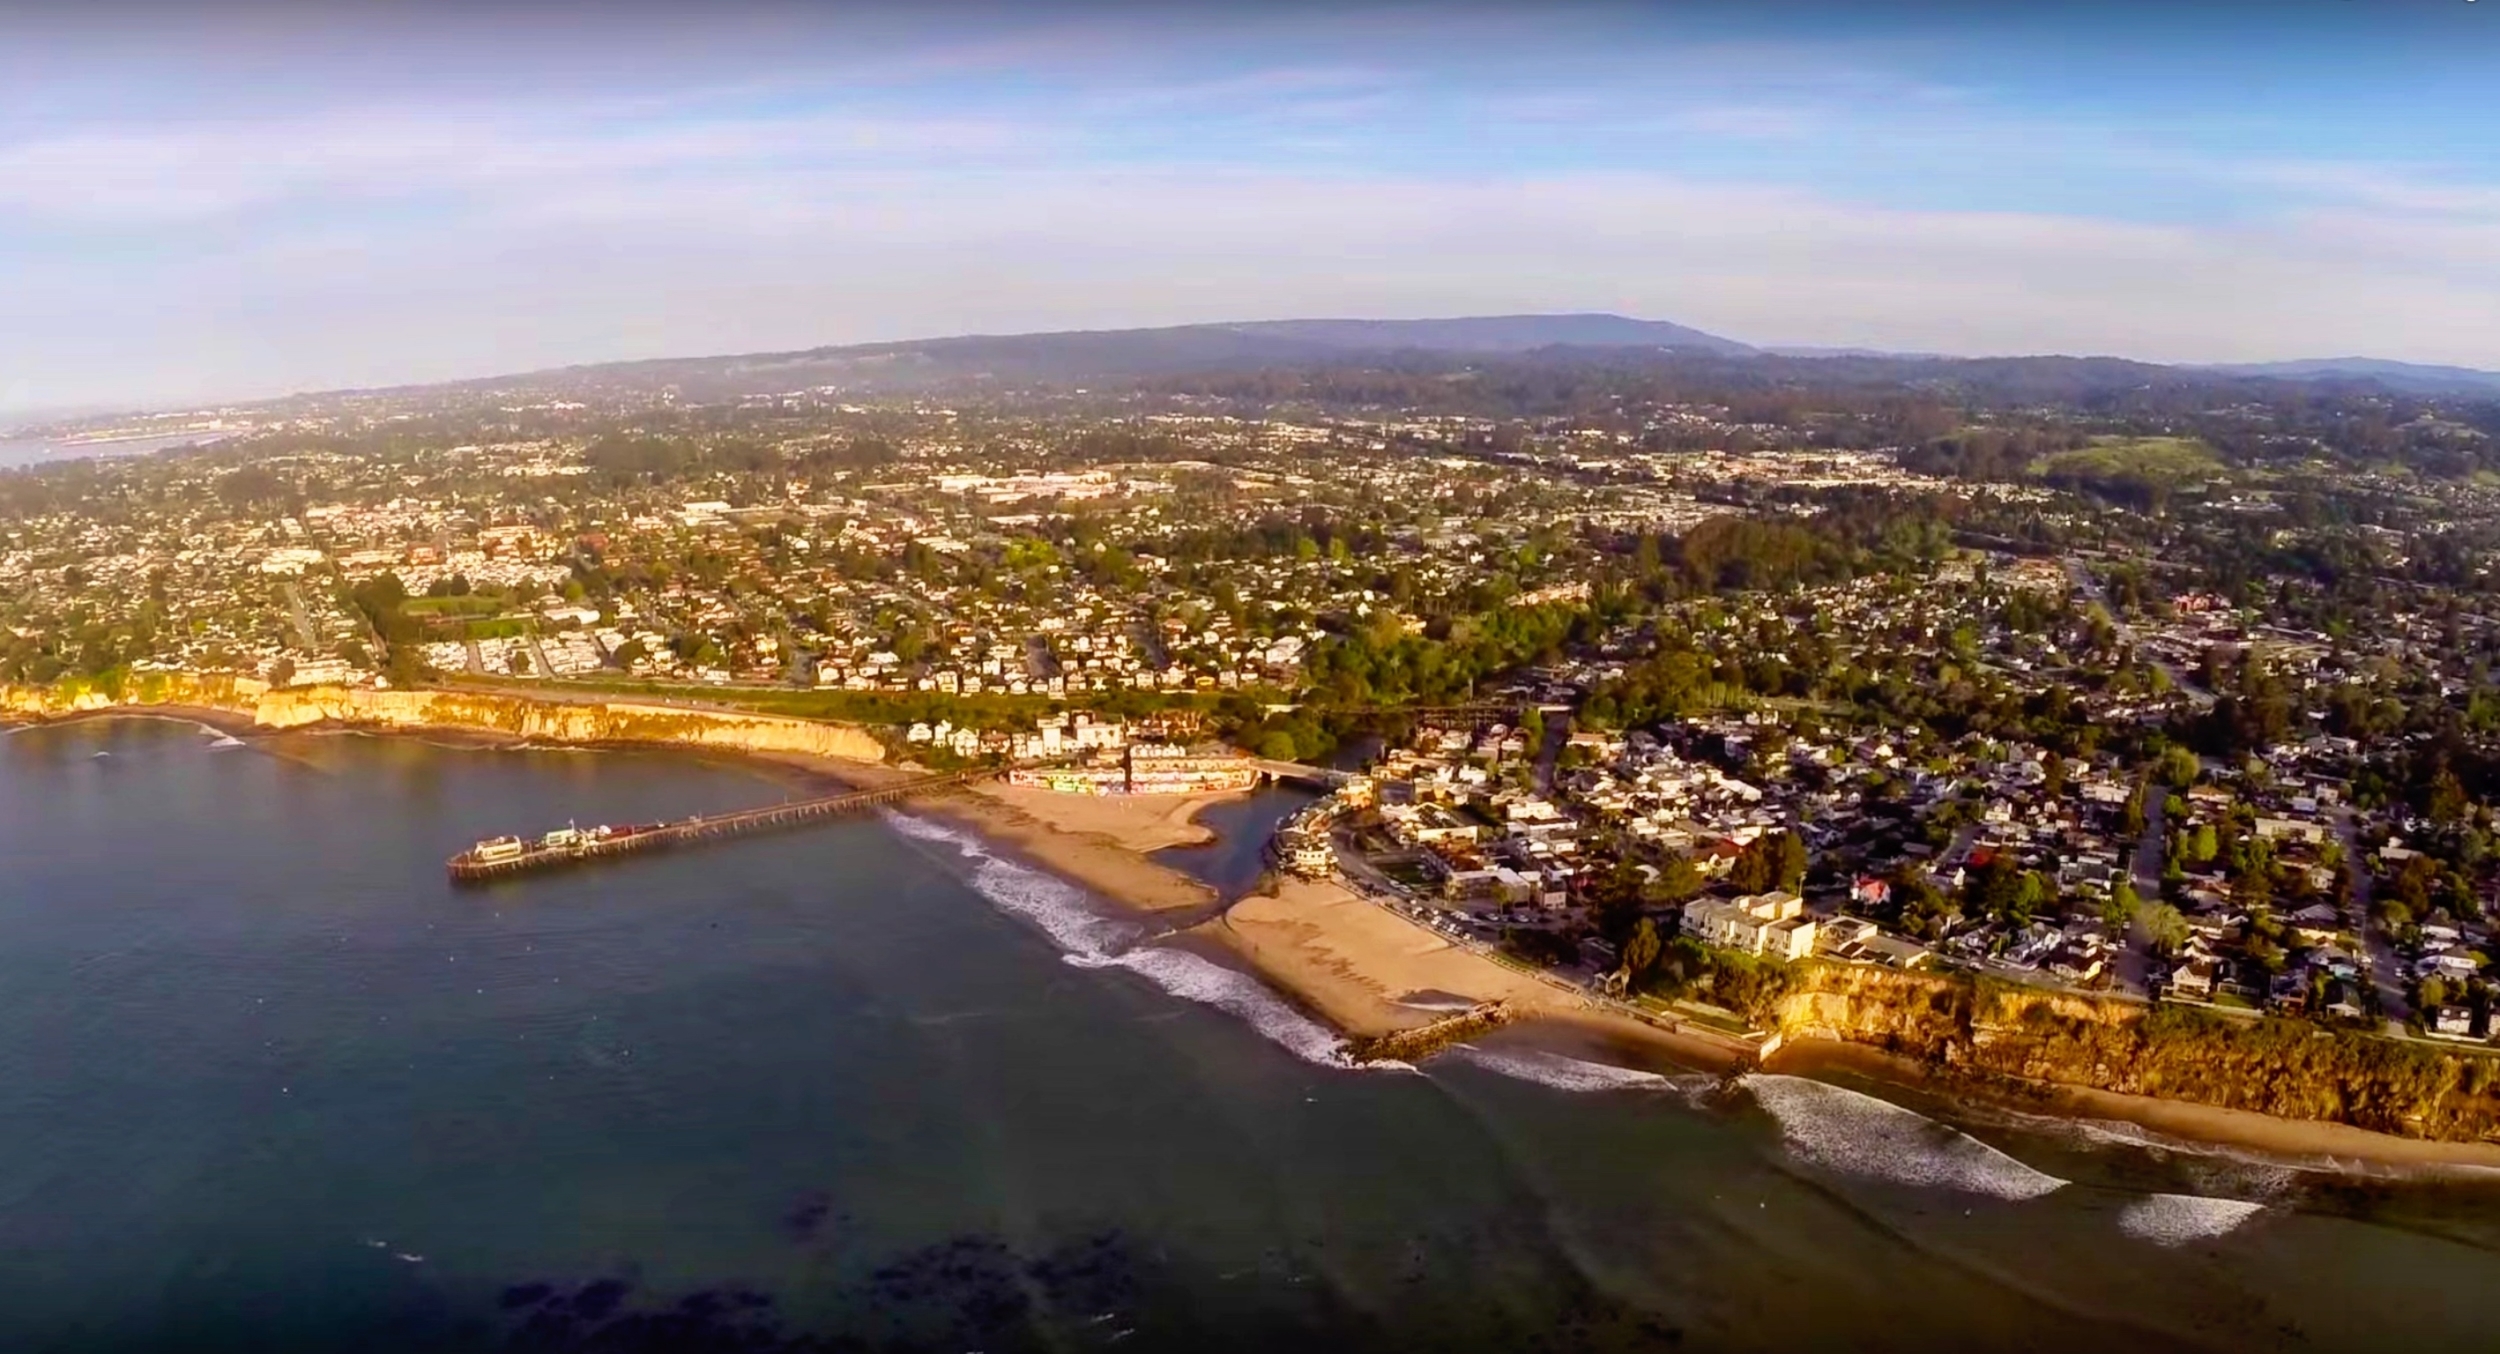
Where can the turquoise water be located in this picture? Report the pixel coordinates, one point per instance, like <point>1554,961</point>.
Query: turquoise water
<point>267,1082</point>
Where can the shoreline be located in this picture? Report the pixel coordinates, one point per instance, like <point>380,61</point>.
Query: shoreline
<point>2312,1144</point>
<point>1364,970</point>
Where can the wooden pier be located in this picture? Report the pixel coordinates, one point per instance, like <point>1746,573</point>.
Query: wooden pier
<point>469,867</point>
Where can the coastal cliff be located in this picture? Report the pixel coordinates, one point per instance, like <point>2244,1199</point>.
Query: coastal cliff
<point>514,717</point>
<point>1991,1030</point>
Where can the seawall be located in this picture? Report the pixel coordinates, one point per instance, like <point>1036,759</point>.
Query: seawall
<point>516,717</point>
<point>1996,1031</point>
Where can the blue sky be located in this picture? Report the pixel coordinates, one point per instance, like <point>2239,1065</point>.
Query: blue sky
<point>214,200</point>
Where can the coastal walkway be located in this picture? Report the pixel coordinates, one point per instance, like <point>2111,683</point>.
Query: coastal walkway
<point>477,865</point>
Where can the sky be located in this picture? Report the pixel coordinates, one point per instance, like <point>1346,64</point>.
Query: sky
<point>212,201</point>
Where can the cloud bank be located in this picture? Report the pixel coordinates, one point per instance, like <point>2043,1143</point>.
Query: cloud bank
<point>1784,188</point>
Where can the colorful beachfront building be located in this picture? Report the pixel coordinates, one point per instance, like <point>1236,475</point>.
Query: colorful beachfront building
<point>1145,769</point>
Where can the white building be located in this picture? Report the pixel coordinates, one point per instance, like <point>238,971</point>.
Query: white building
<point>1766,923</point>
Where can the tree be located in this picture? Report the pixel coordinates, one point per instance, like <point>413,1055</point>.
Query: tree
<point>2166,928</point>
<point>1677,880</point>
<point>1789,864</point>
<point>2131,817</point>
<point>1641,951</point>
<point>1754,868</point>
<point>1277,745</point>
<point>2204,845</point>
<point>2122,906</point>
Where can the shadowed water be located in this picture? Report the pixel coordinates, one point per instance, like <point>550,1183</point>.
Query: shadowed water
<point>268,1083</point>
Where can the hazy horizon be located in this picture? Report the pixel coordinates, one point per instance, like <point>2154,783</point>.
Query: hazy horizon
<point>229,202</point>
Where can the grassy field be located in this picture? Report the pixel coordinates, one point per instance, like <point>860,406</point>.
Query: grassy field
<point>2149,460</point>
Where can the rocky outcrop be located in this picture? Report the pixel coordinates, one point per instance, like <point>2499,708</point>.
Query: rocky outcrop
<point>1423,1041</point>
<point>1995,1030</point>
<point>515,717</point>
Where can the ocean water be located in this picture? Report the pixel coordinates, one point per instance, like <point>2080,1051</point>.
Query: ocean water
<point>16,453</point>
<point>268,1083</point>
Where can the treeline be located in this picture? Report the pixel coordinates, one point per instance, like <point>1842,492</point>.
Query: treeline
<point>1380,663</point>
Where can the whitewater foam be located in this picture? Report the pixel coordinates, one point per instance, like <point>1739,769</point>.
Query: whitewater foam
<point>2221,1167</point>
<point>1576,1075</point>
<point>1195,978</point>
<point>2177,1219</point>
<point>1088,939</point>
<point>1059,908</point>
<point>225,740</point>
<point>1852,1132</point>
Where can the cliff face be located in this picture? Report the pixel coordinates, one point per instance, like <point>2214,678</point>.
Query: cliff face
<point>518,717</point>
<point>2286,1068</point>
<point>210,691</point>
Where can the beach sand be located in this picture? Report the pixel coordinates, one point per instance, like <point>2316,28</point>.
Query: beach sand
<point>1100,842</point>
<point>1359,964</point>
<point>1368,971</point>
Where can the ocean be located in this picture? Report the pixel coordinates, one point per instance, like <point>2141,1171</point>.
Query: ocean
<point>16,453</point>
<point>267,1082</point>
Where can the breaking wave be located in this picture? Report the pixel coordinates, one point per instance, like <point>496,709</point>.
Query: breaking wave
<point>1193,978</point>
<point>1088,939</point>
<point>1056,906</point>
<point>2177,1219</point>
<point>1574,1074</point>
<point>2221,1167</point>
<point>225,740</point>
<point>1858,1134</point>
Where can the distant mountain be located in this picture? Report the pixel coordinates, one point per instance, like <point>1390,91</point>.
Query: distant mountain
<point>1101,354</point>
<point>1406,349</point>
<point>2412,376</point>
<point>1810,350</point>
<point>1495,334</point>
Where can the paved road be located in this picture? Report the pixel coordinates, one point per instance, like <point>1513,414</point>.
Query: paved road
<point>301,617</point>
<point>2379,962</point>
<point>2135,959</point>
<point>1557,733</point>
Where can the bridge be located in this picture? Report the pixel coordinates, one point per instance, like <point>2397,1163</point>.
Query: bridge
<point>478,864</point>
<point>1301,773</point>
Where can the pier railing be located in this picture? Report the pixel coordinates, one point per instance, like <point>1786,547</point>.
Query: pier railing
<point>469,868</point>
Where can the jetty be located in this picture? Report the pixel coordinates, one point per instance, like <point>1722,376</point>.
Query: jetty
<point>1425,1040</point>
<point>500,857</point>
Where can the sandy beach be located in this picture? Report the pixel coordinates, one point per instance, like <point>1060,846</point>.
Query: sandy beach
<point>1369,971</point>
<point>1101,842</point>
<point>1366,969</point>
